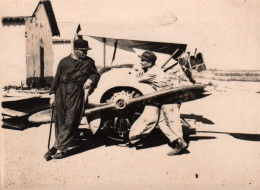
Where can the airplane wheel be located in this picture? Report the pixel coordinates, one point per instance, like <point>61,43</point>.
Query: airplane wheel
<point>117,124</point>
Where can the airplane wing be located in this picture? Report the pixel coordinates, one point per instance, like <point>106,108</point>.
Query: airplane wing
<point>23,105</point>
<point>16,110</point>
<point>128,45</point>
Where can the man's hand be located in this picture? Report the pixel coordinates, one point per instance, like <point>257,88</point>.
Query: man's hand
<point>139,70</point>
<point>87,84</point>
<point>52,100</point>
<point>139,74</point>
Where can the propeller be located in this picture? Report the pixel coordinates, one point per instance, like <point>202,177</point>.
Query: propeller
<point>175,95</point>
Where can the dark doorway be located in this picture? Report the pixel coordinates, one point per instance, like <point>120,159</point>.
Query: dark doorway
<point>41,66</point>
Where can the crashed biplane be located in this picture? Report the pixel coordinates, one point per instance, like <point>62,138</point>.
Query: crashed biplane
<point>119,99</point>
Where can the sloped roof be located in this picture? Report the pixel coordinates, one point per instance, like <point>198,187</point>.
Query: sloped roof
<point>24,9</point>
<point>67,31</point>
<point>51,16</point>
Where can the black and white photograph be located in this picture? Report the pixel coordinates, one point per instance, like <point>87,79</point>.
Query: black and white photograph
<point>130,94</point>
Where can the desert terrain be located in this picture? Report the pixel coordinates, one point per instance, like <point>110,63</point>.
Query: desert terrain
<point>223,154</point>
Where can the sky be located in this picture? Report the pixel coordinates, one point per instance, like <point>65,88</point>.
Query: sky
<point>226,32</point>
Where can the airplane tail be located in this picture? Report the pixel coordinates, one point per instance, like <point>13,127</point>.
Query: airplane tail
<point>192,63</point>
<point>197,62</point>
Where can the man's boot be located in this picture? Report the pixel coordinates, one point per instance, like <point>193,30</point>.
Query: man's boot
<point>50,152</point>
<point>60,155</point>
<point>178,146</point>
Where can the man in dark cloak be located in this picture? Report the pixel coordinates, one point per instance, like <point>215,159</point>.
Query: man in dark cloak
<point>75,73</point>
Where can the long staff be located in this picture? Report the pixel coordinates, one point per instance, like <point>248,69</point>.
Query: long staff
<point>52,110</point>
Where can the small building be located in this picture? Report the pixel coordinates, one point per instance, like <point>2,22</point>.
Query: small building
<point>28,54</point>
<point>63,44</point>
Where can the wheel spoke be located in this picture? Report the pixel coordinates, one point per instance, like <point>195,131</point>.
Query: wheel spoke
<point>128,123</point>
<point>137,113</point>
<point>120,122</point>
<point>132,94</point>
<point>120,127</point>
<point>115,122</point>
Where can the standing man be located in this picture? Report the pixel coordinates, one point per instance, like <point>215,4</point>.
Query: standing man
<point>169,114</point>
<point>75,73</point>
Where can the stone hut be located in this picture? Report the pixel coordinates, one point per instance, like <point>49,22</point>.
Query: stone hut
<point>28,44</point>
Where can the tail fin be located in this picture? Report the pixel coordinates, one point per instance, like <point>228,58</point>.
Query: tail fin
<point>199,63</point>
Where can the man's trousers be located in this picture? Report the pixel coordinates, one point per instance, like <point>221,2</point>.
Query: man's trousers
<point>69,100</point>
<point>167,118</point>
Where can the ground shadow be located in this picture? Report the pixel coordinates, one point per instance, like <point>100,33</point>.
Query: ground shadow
<point>154,139</point>
<point>196,138</point>
<point>197,118</point>
<point>249,137</point>
<point>241,136</point>
<point>84,141</point>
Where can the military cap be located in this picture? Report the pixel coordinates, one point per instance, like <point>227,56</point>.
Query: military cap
<point>148,56</point>
<point>81,44</point>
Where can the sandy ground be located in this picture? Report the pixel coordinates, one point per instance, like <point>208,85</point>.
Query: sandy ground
<point>224,154</point>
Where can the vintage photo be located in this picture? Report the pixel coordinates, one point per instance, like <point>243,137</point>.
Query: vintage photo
<point>113,94</point>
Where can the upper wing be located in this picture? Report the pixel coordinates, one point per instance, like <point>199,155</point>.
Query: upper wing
<point>128,45</point>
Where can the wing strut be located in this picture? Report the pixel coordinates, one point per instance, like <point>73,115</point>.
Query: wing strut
<point>114,54</point>
<point>104,41</point>
<point>170,58</point>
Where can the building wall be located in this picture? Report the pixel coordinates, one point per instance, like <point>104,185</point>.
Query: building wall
<point>13,60</point>
<point>39,35</point>
<point>61,50</point>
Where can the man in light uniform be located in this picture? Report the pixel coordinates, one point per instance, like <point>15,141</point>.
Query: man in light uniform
<point>168,114</point>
